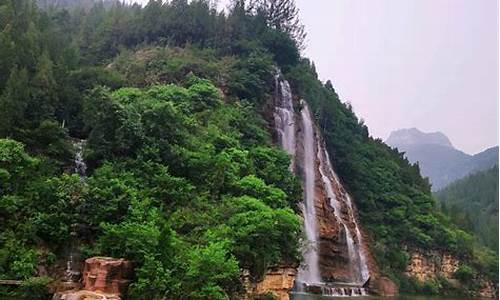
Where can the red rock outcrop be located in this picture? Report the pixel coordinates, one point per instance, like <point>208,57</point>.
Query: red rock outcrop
<point>107,275</point>
<point>104,278</point>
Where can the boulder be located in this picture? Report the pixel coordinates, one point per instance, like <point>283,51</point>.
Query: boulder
<point>107,275</point>
<point>384,287</point>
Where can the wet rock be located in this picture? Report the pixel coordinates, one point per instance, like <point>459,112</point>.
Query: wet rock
<point>314,289</point>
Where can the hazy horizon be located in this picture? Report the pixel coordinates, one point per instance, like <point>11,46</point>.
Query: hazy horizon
<point>429,64</point>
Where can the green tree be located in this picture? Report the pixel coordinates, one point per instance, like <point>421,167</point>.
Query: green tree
<point>43,93</point>
<point>14,101</point>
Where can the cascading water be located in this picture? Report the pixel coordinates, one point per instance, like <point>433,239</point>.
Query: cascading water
<point>356,253</point>
<point>284,116</point>
<point>302,141</point>
<point>324,169</point>
<point>309,273</point>
<point>80,166</point>
<point>72,274</point>
<point>364,272</point>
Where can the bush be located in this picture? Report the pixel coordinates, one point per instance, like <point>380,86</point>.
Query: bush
<point>430,288</point>
<point>203,95</point>
<point>409,285</point>
<point>464,273</point>
<point>35,288</point>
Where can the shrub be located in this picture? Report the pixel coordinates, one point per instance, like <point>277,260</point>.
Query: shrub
<point>430,288</point>
<point>35,288</point>
<point>464,273</point>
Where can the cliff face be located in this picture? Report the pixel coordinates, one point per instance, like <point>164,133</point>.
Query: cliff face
<point>335,262</point>
<point>428,266</point>
<point>277,281</point>
<point>425,267</point>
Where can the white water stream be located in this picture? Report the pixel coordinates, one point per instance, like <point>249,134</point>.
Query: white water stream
<point>313,150</point>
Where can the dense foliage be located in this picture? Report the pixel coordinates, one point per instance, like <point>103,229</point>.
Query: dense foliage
<point>183,178</point>
<point>472,204</point>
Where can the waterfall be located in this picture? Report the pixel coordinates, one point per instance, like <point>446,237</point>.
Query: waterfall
<point>284,116</point>
<point>80,166</point>
<point>284,119</point>
<point>324,169</point>
<point>363,265</point>
<point>356,252</point>
<point>302,141</point>
<point>310,271</point>
<point>72,274</point>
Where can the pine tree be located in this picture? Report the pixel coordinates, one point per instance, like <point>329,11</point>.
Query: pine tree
<point>44,93</point>
<point>14,101</point>
<point>283,15</point>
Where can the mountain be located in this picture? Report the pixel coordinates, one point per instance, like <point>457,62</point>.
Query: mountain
<point>437,158</point>
<point>413,136</point>
<point>472,204</point>
<point>146,133</point>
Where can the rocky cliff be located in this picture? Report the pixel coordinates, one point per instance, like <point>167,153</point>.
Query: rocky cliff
<point>278,281</point>
<point>336,265</point>
<point>429,266</point>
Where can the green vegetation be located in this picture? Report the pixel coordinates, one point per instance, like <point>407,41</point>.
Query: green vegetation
<point>472,204</point>
<point>173,100</point>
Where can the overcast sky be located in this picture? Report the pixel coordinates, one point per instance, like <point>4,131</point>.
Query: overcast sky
<point>430,64</point>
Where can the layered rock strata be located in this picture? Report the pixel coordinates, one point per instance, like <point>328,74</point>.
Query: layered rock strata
<point>278,282</point>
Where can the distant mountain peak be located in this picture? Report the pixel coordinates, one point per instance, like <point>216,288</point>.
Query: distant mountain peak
<point>413,136</point>
<point>437,157</point>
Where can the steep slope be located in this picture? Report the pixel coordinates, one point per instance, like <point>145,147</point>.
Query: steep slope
<point>175,102</point>
<point>437,158</point>
<point>472,203</point>
<point>394,202</point>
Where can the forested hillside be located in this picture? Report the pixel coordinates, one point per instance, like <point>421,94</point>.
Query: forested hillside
<point>173,102</point>
<point>472,203</point>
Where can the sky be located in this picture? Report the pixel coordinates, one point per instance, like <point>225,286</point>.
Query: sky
<point>429,64</point>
